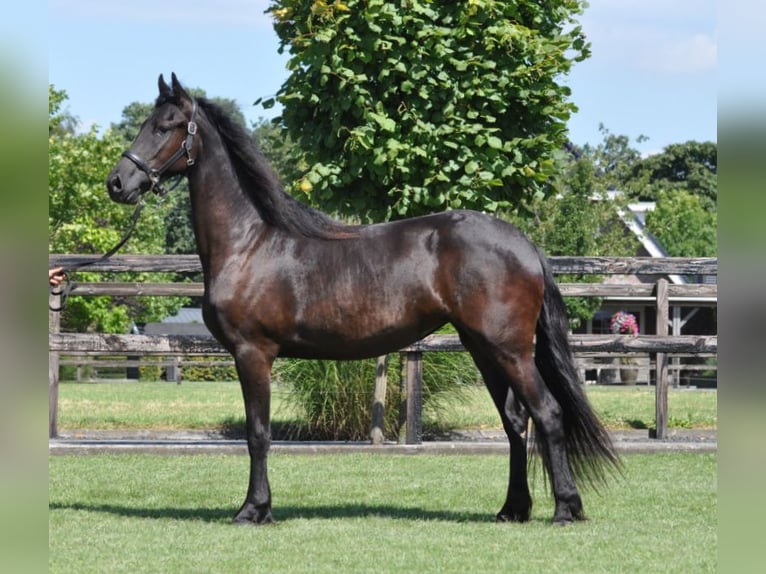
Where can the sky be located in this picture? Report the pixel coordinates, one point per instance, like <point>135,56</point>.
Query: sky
<point>652,71</point>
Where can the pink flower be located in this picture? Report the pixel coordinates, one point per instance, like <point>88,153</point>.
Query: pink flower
<point>623,323</point>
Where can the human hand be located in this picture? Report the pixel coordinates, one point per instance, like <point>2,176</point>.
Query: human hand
<point>55,276</point>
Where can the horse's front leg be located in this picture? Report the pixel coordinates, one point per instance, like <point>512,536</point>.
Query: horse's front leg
<point>254,370</point>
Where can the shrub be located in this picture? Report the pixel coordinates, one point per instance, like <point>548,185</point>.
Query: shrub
<point>336,396</point>
<point>223,372</point>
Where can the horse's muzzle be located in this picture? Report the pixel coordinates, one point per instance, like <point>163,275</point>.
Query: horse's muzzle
<point>118,191</point>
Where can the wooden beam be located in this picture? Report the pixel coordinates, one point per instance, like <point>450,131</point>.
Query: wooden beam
<point>414,385</point>
<point>598,343</point>
<point>560,264</point>
<point>105,344</point>
<point>693,290</point>
<point>125,289</point>
<point>661,362</point>
<point>54,323</point>
<point>627,290</point>
<point>634,265</point>
<point>379,400</point>
<point>129,263</point>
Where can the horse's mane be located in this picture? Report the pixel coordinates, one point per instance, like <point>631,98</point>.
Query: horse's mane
<point>261,185</point>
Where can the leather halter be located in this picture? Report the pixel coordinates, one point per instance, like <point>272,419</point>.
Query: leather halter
<point>155,174</point>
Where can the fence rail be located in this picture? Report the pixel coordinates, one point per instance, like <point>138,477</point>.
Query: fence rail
<point>658,346</point>
<point>195,345</point>
<point>675,292</point>
<point>560,264</point>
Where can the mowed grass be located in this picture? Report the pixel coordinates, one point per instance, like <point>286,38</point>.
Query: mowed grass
<point>371,513</point>
<point>216,406</point>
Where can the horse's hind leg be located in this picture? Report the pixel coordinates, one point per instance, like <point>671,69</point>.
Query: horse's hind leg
<point>547,414</point>
<point>513,378</point>
<point>518,502</point>
<point>254,369</point>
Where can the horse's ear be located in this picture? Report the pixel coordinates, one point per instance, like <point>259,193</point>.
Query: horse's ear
<point>178,89</point>
<point>165,90</point>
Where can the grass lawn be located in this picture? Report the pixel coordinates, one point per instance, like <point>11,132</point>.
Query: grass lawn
<point>207,405</point>
<point>371,513</point>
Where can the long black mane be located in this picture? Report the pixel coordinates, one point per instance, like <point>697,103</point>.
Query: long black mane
<point>261,185</point>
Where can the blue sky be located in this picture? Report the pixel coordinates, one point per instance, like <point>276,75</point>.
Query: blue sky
<point>652,72</point>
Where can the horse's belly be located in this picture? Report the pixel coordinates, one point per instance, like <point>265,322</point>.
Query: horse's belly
<point>343,345</point>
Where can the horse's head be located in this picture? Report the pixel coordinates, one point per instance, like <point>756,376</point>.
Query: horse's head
<point>164,147</point>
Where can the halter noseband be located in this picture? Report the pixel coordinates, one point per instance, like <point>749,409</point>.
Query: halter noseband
<point>185,149</point>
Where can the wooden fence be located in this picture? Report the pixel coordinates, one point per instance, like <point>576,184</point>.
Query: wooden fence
<point>658,346</point>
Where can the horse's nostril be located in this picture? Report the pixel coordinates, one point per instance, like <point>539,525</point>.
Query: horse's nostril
<point>114,183</point>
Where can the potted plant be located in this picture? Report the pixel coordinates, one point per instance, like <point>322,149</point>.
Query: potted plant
<point>623,323</point>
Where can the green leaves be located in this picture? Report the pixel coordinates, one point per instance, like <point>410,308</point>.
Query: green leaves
<point>418,106</point>
<point>387,124</point>
<point>683,225</point>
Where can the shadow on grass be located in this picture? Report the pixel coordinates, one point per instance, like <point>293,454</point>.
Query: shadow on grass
<point>294,430</point>
<point>299,430</point>
<point>233,428</point>
<point>637,424</point>
<point>284,513</point>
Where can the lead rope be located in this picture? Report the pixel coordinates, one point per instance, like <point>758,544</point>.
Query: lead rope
<point>69,286</point>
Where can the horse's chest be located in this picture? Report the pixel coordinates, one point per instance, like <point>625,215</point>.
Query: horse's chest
<point>245,305</point>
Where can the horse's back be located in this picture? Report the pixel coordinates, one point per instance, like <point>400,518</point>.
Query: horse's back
<point>467,248</point>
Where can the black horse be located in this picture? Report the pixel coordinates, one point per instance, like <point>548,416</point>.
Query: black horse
<point>285,280</point>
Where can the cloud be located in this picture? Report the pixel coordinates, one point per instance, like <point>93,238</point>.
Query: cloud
<point>656,10</point>
<point>653,36</point>
<point>673,55</point>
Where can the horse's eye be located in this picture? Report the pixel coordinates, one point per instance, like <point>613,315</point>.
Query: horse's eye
<point>162,129</point>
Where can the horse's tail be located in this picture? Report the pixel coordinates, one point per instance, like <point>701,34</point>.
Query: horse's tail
<point>588,445</point>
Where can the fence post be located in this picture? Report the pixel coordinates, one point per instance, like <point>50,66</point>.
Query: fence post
<point>414,400</point>
<point>661,364</point>
<point>379,400</point>
<point>54,326</point>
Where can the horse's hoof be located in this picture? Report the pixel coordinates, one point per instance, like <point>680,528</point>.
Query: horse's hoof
<point>254,516</point>
<point>569,520</point>
<point>251,522</point>
<point>512,517</point>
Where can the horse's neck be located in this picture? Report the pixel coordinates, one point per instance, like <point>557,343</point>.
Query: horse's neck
<point>225,222</point>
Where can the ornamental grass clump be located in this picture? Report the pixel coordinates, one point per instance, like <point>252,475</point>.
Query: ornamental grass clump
<point>335,397</point>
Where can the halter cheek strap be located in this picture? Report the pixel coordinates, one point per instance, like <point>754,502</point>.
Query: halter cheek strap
<point>155,174</point>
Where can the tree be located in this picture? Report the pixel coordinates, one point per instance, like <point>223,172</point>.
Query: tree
<point>614,159</point>
<point>82,219</point>
<point>283,154</point>
<point>60,121</point>
<point>683,225</point>
<point>690,167</point>
<point>682,180</point>
<point>410,107</point>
